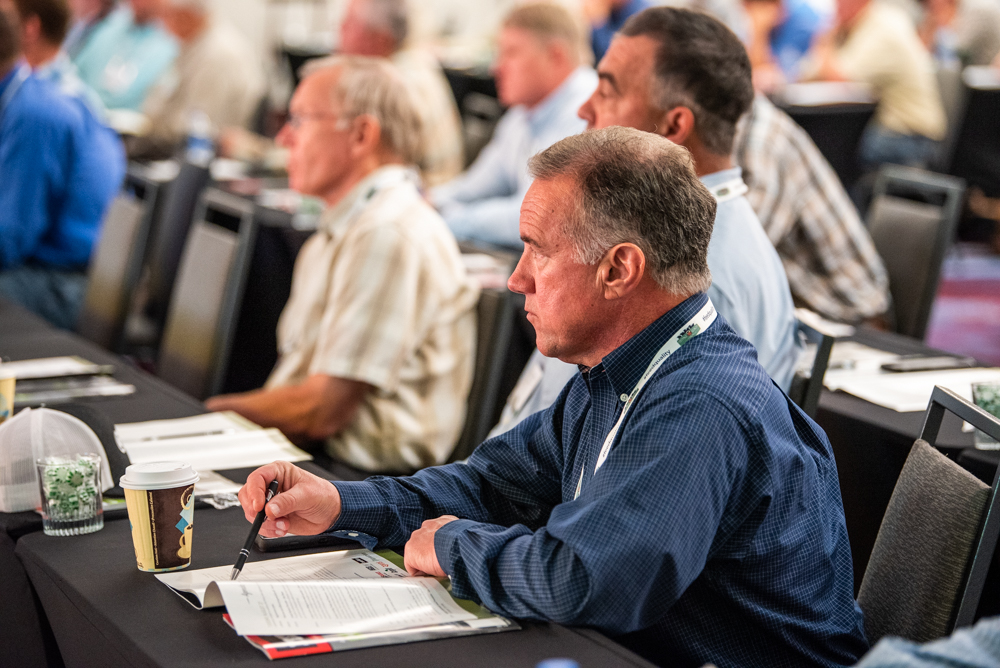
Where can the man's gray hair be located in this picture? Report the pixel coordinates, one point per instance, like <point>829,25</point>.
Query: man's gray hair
<point>388,16</point>
<point>640,188</point>
<point>373,87</point>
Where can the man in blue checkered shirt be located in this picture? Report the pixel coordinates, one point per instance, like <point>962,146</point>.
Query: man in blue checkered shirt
<point>672,496</point>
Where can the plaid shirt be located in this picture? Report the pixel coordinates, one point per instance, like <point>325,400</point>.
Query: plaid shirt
<point>380,295</point>
<point>831,262</point>
<point>713,532</point>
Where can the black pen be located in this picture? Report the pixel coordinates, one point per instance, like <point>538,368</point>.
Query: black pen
<point>272,489</point>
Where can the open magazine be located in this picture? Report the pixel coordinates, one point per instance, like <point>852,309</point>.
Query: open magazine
<point>332,601</point>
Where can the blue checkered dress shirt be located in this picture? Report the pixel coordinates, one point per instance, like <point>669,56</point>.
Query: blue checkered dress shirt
<point>714,532</point>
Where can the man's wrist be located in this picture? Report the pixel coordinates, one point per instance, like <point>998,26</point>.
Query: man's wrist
<point>445,542</point>
<point>361,507</point>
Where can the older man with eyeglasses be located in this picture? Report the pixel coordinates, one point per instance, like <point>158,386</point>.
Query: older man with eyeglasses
<point>376,341</point>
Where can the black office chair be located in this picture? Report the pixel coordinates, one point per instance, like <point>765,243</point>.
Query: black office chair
<point>836,130</point>
<point>806,387</point>
<point>169,237</point>
<point>927,570</point>
<point>201,319</point>
<point>912,221</point>
<point>114,270</point>
<point>975,155</point>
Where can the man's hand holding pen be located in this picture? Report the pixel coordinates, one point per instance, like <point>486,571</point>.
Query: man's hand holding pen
<point>305,504</point>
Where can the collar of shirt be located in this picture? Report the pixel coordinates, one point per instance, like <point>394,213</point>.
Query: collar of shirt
<point>338,217</point>
<point>583,79</point>
<point>716,179</point>
<point>626,363</point>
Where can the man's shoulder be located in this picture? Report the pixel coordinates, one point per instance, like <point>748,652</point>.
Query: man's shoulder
<point>40,105</point>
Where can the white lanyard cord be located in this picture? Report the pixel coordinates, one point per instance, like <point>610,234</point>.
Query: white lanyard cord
<point>692,328</point>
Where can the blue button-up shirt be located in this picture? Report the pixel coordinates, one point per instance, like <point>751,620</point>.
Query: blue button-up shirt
<point>713,532</point>
<point>749,285</point>
<point>484,203</point>
<point>60,168</point>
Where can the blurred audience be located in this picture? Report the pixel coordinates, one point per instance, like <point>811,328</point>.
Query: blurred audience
<point>829,257</point>
<point>541,75</point>
<point>125,54</point>
<point>217,74</point>
<point>61,167</point>
<point>87,15</point>
<point>780,33</point>
<point>961,32</point>
<point>43,28</point>
<point>376,342</point>
<point>606,18</point>
<point>876,43</point>
<point>380,28</point>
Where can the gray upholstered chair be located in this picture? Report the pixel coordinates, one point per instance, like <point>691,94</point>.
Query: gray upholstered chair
<point>927,569</point>
<point>912,221</point>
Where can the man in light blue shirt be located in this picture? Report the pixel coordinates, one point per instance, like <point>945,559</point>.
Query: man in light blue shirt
<point>540,75</point>
<point>686,76</point>
<point>978,647</point>
<point>126,54</point>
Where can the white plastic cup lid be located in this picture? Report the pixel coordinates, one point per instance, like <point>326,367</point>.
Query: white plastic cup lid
<point>158,475</point>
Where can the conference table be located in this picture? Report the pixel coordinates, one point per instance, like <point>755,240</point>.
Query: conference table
<point>80,601</point>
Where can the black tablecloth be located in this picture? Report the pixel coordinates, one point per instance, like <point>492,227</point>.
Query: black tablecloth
<point>100,605</point>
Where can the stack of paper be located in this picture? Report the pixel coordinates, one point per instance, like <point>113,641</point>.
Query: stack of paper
<point>334,600</point>
<point>53,380</point>
<point>209,442</point>
<point>907,392</point>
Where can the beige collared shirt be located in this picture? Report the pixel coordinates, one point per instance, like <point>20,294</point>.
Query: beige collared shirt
<point>884,51</point>
<point>380,295</point>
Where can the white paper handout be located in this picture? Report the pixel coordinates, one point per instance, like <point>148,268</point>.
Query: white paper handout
<point>207,424</point>
<point>213,452</point>
<point>51,367</point>
<point>908,392</point>
<point>339,606</point>
<point>194,586</point>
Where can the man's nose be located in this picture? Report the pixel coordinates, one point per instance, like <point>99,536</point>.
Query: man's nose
<point>586,112</point>
<point>520,281</point>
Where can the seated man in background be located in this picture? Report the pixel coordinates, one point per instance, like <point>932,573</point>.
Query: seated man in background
<point>60,169</point>
<point>87,15</point>
<point>540,74</point>
<point>875,42</point>
<point>125,54</point>
<point>43,28</point>
<point>218,73</point>
<point>376,341</point>
<point>606,18</point>
<point>831,262</point>
<point>379,28</point>
<point>684,75</point>
<point>672,497</point>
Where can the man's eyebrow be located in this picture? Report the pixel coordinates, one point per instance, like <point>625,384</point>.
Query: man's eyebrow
<point>610,78</point>
<point>528,241</point>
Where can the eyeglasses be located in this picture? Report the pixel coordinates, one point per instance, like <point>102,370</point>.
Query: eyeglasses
<point>296,121</point>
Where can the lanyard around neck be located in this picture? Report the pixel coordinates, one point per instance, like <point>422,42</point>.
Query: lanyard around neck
<point>15,85</point>
<point>728,190</point>
<point>692,328</point>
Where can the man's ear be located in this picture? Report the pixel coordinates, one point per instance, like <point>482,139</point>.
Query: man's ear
<point>677,125</point>
<point>366,135</point>
<point>621,270</point>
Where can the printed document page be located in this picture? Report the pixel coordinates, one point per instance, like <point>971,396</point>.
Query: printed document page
<point>194,587</point>
<point>340,606</point>
<point>208,424</point>
<point>213,452</point>
<point>908,392</point>
<point>50,367</point>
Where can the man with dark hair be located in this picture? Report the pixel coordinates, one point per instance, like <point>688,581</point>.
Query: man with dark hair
<point>60,170</point>
<point>43,29</point>
<point>672,497</point>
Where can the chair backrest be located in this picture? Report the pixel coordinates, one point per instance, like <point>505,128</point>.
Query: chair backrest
<point>836,130</point>
<point>114,270</point>
<point>168,242</point>
<point>496,316</point>
<point>201,319</point>
<point>912,221</point>
<point>805,389</point>
<point>930,559</point>
<point>953,99</point>
<point>975,155</point>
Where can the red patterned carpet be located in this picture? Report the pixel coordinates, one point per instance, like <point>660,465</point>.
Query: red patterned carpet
<point>966,315</point>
